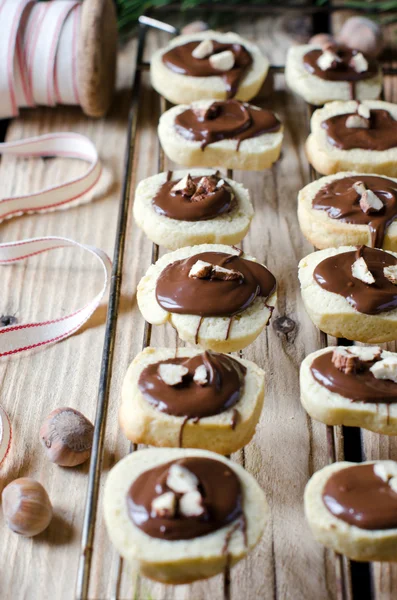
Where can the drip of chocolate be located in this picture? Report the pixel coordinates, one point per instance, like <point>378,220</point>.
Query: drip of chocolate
<point>341,201</point>
<point>198,207</point>
<point>225,120</point>
<point>359,386</point>
<point>381,135</point>
<point>181,60</point>
<point>218,485</point>
<point>334,274</point>
<point>340,70</point>
<point>359,497</point>
<point>189,399</point>
<point>176,292</point>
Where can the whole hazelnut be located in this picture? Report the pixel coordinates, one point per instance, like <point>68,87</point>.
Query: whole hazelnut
<point>26,507</point>
<point>194,27</point>
<point>362,34</point>
<point>322,39</point>
<point>66,435</point>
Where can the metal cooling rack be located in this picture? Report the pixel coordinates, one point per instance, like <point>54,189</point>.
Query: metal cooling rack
<point>353,579</point>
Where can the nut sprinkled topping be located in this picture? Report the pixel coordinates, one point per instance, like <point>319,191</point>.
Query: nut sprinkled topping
<point>360,271</point>
<point>172,374</point>
<point>191,504</point>
<point>328,59</point>
<point>181,480</point>
<point>204,270</point>
<point>185,185</point>
<point>200,375</point>
<point>385,471</point>
<point>223,61</point>
<point>201,270</point>
<point>366,354</point>
<point>204,49</point>
<point>363,110</point>
<point>385,369</point>
<point>359,63</point>
<point>225,274</point>
<point>206,186</point>
<point>164,505</point>
<point>391,274</point>
<point>355,121</point>
<point>344,361</point>
<point>369,202</point>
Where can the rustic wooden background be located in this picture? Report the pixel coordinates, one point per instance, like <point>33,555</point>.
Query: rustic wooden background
<point>287,448</point>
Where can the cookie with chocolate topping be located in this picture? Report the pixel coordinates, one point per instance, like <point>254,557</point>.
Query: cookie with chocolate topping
<point>349,209</point>
<point>213,295</point>
<point>349,292</point>
<point>352,509</point>
<point>213,402</point>
<point>354,136</point>
<point>364,395</point>
<point>182,515</point>
<point>184,208</point>
<point>332,72</point>
<point>208,64</point>
<point>229,133</point>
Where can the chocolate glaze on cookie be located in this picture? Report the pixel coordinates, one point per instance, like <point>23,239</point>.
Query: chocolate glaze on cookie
<point>340,201</point>
<point>181,60</point>
<point>222,120</point>
<point>224,387</point>
<point>334,274</point>
<point>359,497</point>
<point>341,70</point>
<point>358,386</point>
<point>218,484</point>
<point>198,207</point>
<point>381,135</point>
<point>176,292</point>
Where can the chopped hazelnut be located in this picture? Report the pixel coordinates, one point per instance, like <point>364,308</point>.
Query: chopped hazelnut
<point>369,202</point>
<point>366,353</point>
<point>385,369</point>
<point>364,111</point>
<point>223,61</point>
<point>328,59</point>
<point>172,374</point>
<point>204,49</point>
<point>344,361</point>
<point>186,186</point>
<point>386,471</point>
<point>391,274</point>
<point>181,480</point>
<point>360,271</point>
<point>359,63</point>
<point>191,504</point>
<point>164,505</point>
<point>355,121</point>
<point>205,186</point>
<point>226,274</point>
<point>201,270</point>
<point>200,375</point>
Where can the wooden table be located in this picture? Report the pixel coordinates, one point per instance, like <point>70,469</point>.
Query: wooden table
<point>288,446</point>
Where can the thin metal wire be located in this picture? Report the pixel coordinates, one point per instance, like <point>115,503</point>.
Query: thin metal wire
<point>84,568</point>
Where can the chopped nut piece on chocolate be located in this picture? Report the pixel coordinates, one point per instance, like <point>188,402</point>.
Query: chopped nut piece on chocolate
<point>172,374</point>
<point>385,472</point>
<point>328,59</point>
<point>181,480</point>
<point>205,186</point>
<point>164,506</point>
<point>186,186</point>
<point>363,111</point>
<point>391,274</point>
<point>385,369</point>
<point>200,375</point>
<point>360,271</point>
<point>369,202</point>
<point>359,63</point>
<point>344,361</point>
<point>223,61</point>
<point>393,484</point>
<point>191,504</point>
<point>201,270</point>
<point>366,354</point>
<point>220,183</point>
<point>204,49</point>
<point>357,122</point>
<point>225,274</point>
<point>359,187</point>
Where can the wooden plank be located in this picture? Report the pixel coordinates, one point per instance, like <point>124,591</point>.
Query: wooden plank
<point>66,374</point>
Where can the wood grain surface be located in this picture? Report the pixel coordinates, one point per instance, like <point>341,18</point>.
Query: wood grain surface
<point>288,446</point>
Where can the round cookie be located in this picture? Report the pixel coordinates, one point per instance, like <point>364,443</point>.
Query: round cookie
<point>226,226</point>
<point>318,90</point>
<point>332,313</point>
<point>180,422</point>
<point>335,395</point>
<point>237,147</point>
<point>356,542</point>
<point>338,219</point>
<point>180,561</point>
<point>220,333</point>
<point>181,88</point>
<point>327,157</point>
